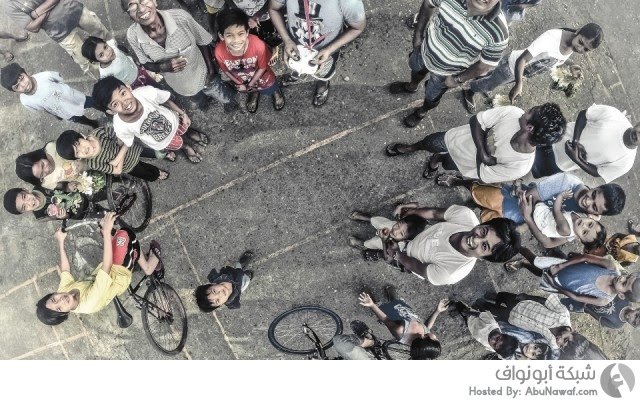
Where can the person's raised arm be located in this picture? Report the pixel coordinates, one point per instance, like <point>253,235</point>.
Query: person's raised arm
<point>424,15</point>
<point>441,307</point>
<point>395,328</point>
<point>275,13</point>
<point>526,207</point>
<point>107,247</point>
<point>562,225</point>
<point>521,63</point>
<point>64,261</point>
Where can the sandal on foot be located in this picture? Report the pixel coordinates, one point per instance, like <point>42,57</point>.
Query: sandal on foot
<point>392,149</point>
<point>356,243</point>
<point>170,156</point>
<point>278,100</point>
<point>447,180</point>
<point>194,158</point>
<point>429,171</point>
<point>513,265</point>
<point>469,102</point>
<point>26,37</point>
<point>202,140</point>
<point>319,98</point>
<point>413,119</point>
<point>275,56</point>
<point>156,249</point>
<point>166,176</point>
<point>252,102</point>
<point>8,56</point>
<point>372,255</point>
<point>400,87</point>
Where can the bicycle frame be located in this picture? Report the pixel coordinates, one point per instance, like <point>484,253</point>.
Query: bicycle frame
<point>315,339</point>
<point>141,301</point>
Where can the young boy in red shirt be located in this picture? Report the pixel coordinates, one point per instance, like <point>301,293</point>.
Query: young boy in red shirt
<point>244,58</point>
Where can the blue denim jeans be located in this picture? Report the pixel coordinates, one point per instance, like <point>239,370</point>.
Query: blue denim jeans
<point>348,347</point>
<point>434,88</point>
<point>219,90</point>
<point>499,76</point>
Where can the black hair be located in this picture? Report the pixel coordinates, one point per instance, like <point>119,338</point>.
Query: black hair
<point>546,351</point>
<point>9,75</point>
<point>509,346</point>
<point>509,240</point>
<point>593,33</point>
<point>415,225</point>
<point>548,124</point>
<point>47,316</point>
<point>89,48</point>
<point>614,198</point>
<point>65,144</point>
<point>124,4</point>
<point>10,197</point>
<point>425,349</point>
<point>598,241</point>
<point>580,348</point>
<point>103,92</point>
<point>202,298</point>
<point>633,295</point>
<point>230,17</point>
<point>24,164</point>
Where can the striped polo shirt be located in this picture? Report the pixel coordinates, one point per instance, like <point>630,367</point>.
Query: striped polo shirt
<point>109,148</point>
<point>455,41</point>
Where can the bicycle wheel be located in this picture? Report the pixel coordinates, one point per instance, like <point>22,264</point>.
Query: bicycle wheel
<point>131,198</point>
<point>286,334</point>
<point>395,350</point>
<point>164,320</point>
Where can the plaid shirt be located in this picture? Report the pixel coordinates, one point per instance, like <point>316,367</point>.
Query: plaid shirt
<point>535,317</point>
<point>184,35</point>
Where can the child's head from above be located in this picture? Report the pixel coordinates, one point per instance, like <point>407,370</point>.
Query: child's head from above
<point>503,344</point>
<point>14,78</point>
<point>563,334</point>
<point>587,38</point>
<point>495,240</point>
<point>33,167</point>
<point>54,308</point>
<point>607,199</point>
<point>72,145</point>
<point>631,315</point>
<point>590,232</point>
<point>546,124</point>
<point>95,49</point>
<point>233,28</point>
<point>213,295</point>
<point>112,96</point>
<point>425,348</point>
<point>18,201</point>
<point>406,229</point>
<point>536,351</point>
<point>627,286</point>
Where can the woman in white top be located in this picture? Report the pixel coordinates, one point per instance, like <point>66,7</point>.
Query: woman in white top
<point>552,48</point>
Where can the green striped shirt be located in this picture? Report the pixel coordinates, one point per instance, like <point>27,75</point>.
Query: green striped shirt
<point>109,148</point>
<point>455,41</point>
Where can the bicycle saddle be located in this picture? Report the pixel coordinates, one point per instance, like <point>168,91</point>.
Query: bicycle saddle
<point>124,318</point>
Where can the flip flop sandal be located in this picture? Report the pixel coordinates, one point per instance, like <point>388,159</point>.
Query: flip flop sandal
<point>400,87</point>
<point>275,57</point>
<point>470,106</point>
<point>194,158</point>
<point>446,180</point>
<point>278,106</point>
<point>166,176</point>
<point>156,249</point>
<point>320,98</point>
<point>252,102</point>
<point>512,266</point>
<point>170,156</point>
<point>392,150</point>
<point>203,138</point>
<point>412,120</point>
<point>430,172</point>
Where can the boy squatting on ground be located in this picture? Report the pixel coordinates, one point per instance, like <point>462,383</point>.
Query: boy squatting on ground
<point>110,278</point>
<point>148,114</point>
<point>244,58</point>
<point>514,135</point>
<point>114,62</point>
<point>226,286</point>
<point>485,330</point>
<point>400,231</point>
<point>47,91</point>
<point>447,251</point>
<point>100,151</point>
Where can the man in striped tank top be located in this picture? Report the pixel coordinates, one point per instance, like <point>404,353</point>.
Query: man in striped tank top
<point>463,41</point>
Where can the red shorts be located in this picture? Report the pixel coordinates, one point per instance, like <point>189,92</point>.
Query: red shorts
<point>176,141</point>
<point>126,248</point>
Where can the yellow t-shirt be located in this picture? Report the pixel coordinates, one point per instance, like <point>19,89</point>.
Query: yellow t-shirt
<point>97,290</point>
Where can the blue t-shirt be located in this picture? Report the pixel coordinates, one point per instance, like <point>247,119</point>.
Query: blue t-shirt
<point>608,316</point>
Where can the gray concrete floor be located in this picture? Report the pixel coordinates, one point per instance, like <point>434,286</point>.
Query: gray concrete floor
<point>283,185</point>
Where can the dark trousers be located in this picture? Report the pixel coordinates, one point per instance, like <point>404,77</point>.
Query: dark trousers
<point>545,162</point>
<point>502,308</point>
<point>143,170</point>
<point>434,143</point>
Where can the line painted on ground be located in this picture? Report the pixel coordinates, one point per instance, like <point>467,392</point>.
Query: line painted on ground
<point>280,161</point>
<point>195,272</point>
<point>50,345</point>
<point>28,282</point>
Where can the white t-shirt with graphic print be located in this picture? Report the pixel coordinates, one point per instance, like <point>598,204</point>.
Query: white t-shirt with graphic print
<point>157,125</point>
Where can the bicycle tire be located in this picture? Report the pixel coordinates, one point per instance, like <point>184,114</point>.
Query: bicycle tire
<point>163,296</point>
<point>287,328</point>
<point>394,350</point>
<point>138,215</point>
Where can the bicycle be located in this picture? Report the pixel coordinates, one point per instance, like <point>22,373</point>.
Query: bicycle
<point>296,330</point>
<point>128,196</point>
<point>164,317</point>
